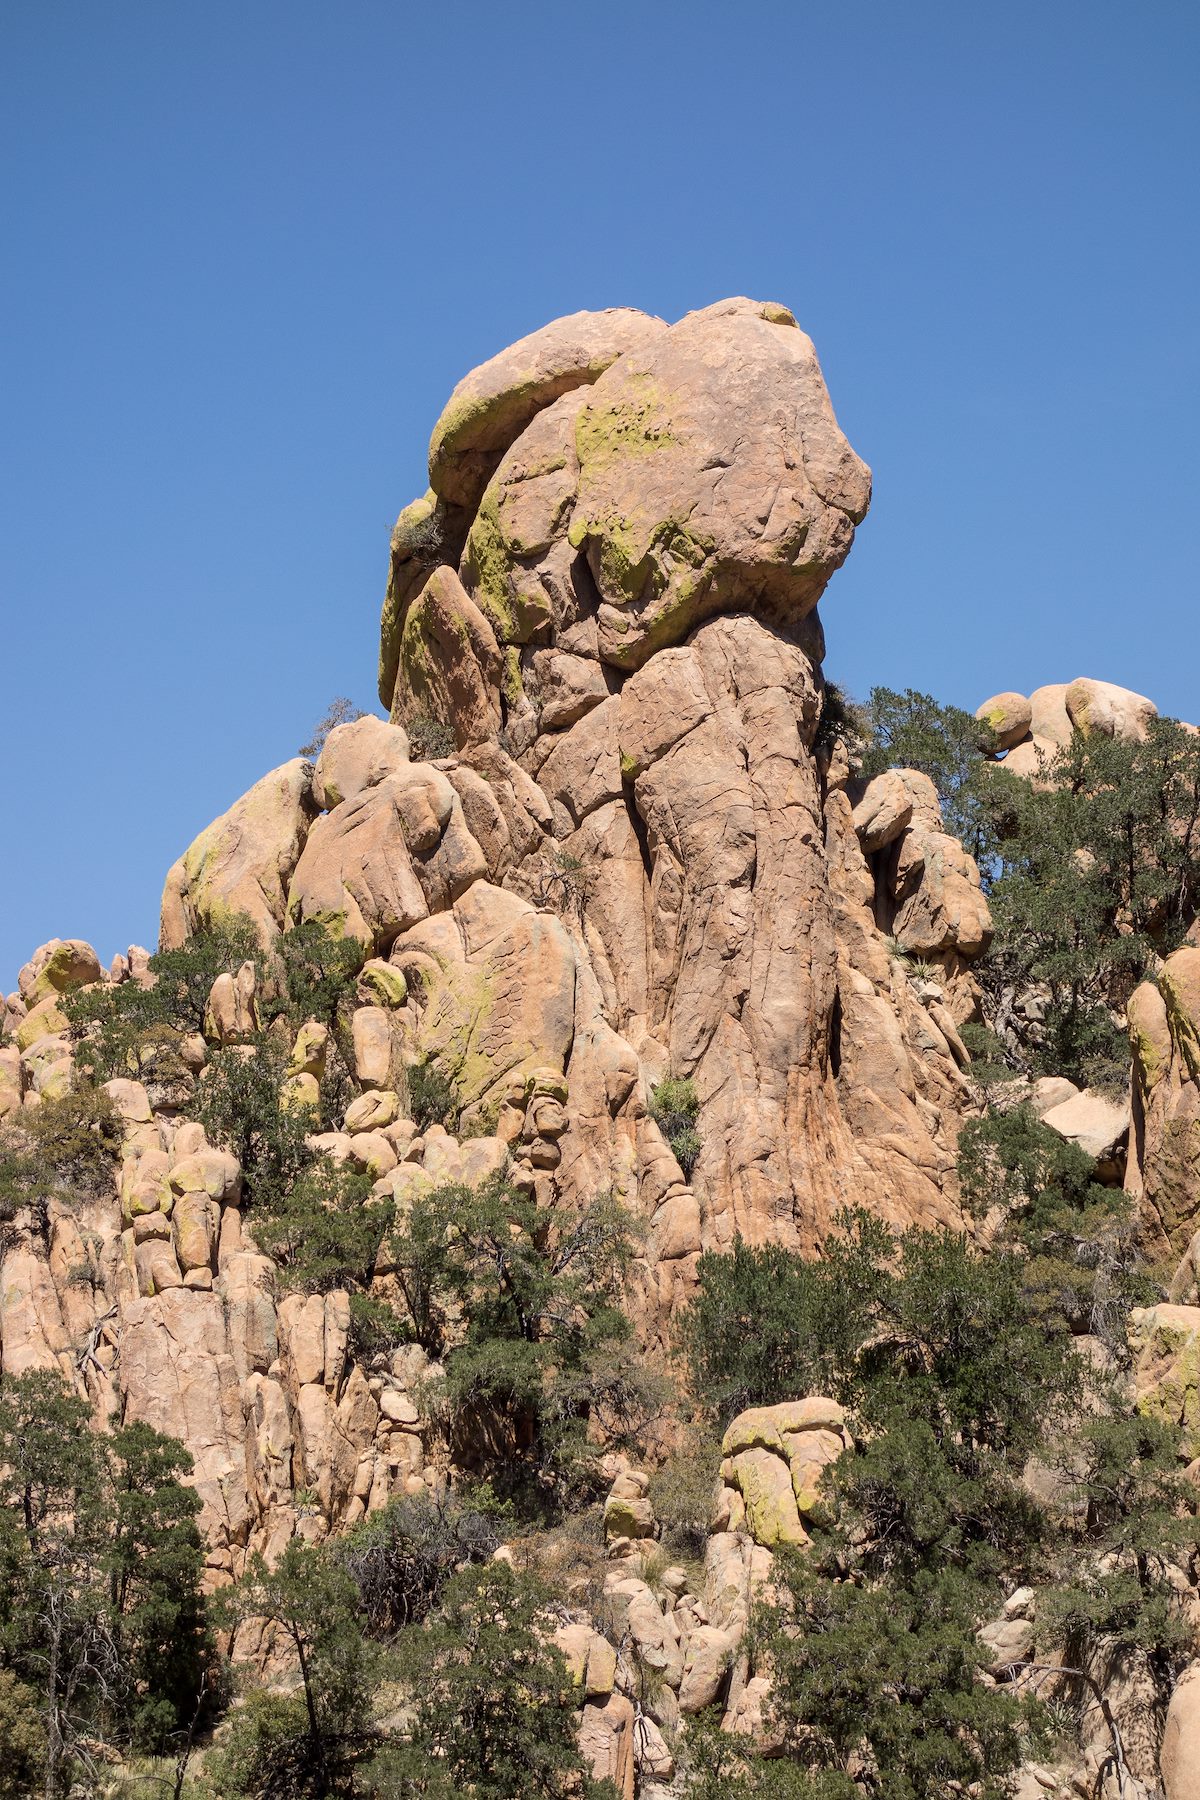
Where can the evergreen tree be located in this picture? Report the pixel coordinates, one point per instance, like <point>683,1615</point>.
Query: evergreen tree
<point>101,1614</point>
<point>492,1696</point>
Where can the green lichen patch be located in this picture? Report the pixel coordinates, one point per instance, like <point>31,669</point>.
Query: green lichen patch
<point>625,427</point>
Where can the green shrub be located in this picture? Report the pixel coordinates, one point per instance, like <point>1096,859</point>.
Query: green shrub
<point>100,1565</point>
<point>112,1023</point>
<point>429,739</point>
<point>431,1097</point>
<point>22,1738</point>
<point>523,1308</point>
<point>682,1491</point>
<point>324,1231</point>
<point>239,1106</point>
<point>492,1700</point>
<point>1079,1240</point>
<point>842,720</point>
<point>674,1107</point>
<point>66,1148</point>
<point>989,1058</point>
<point>310,974</point>
<point>755,1332</point>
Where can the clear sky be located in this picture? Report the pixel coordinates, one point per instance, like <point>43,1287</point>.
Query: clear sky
<point>250,245</point>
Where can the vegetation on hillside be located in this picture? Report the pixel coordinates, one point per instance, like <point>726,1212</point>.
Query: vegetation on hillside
<point>993,1445</point>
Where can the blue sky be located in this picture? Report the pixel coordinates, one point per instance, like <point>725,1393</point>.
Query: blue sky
<point>250,247</point>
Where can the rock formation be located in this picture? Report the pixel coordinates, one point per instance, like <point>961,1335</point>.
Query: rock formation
<point>600,840</point>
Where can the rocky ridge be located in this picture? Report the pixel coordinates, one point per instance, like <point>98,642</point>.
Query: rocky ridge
<point>601,839</point>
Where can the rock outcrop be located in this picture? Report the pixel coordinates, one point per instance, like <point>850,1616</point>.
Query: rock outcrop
<point>594,845</point>
<point>600,841</point>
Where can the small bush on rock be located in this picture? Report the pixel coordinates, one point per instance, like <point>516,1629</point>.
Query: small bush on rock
<point>431,1097</point>
<point>65,1148</point>
<point>341,711</point>
<point>675,1107</point>
<point>111,1023</point>
<point>429,739</point>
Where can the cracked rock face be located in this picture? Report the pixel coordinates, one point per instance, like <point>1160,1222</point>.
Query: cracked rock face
<point>595,841</point>
<point>601,625</point>
<point>595,845</point>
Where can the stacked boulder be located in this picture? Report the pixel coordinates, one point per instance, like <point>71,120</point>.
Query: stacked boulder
<point>1030,732</point>
<point>154,1298</point>
<point>594,838</point>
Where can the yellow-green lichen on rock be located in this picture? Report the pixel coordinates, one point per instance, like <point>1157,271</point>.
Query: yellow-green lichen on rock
<point>491,406</point>
<point>1165,1340</point>
<point>44,1020</point>
<point>775,1458</point>
<point>239,866</point>
<point>1179,983</point>
<point>383,983</point>
<point>1149,1034</point>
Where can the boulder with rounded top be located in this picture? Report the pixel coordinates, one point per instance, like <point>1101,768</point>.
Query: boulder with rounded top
<point>240,865</point>
<point>356,756</point>
<point>713,477</point>
<point>1009,717</point>
<point>1101,709</point>
<point>492,405</point>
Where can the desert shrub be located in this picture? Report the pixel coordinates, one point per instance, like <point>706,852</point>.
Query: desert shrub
<point>101,1613</point>
<point>754,1334</point>
<point>989,1059</point>
<point>914,731</point>
<point>429,739</point>
<point>1129,1526</point>
<point>493,1704</point>
<point>112,1024</point>
<point>310,975</point>
<point>1078,1239</point>
<point>682,1491</point>
<point>522,1306</point>
<point>843,720</point>
<point>561,883</point>
<point>675,1107</point>
<point>65,1148</point>
<point>323,1231</point>
<point>341,711</point>
<point>308,1744</point>
<point>431,1096</point>
<point>402,1557</point>
<point>22,1738</point>
<point>239,1106</point>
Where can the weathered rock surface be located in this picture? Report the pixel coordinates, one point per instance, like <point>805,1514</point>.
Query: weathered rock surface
<point>1180,1757</point>
<point>623,860</point>
<point>241,863</point>
<point>1009,716</point>
<point>1163,1168</point>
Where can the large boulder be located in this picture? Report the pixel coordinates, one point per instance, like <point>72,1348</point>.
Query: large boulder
<point>1101,709</point>
<point>385,858</point>
<point>1008,716</point>
<point>1180,1756</point>
<point>492,405</point>
<point>58,967</point>
<point>774,1458</point>
<point>357,756</point>
<point>1165,1340</point>
<point>678,444</point>
<point>1098,1124</point>
<point>498,984</point>
<point>240,865</point>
